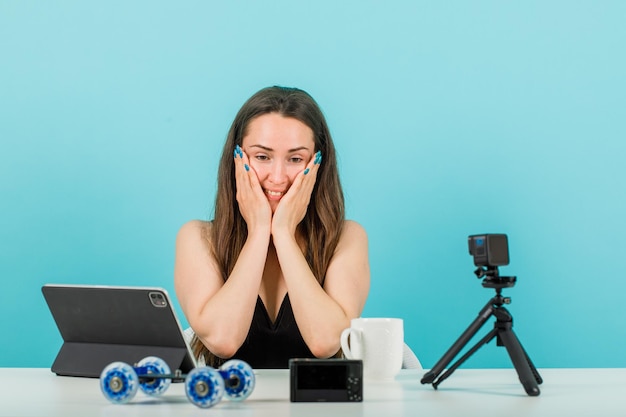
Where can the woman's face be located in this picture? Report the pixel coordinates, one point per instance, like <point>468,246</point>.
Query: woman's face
<point>279,148</point>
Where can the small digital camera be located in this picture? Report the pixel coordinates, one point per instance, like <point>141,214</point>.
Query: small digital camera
<point>326,380</point>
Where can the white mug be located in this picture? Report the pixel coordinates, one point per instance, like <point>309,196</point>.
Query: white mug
<point>378,342</point>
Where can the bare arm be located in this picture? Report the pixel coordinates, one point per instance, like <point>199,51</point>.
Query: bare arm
<point>322,313</point>
<point>219,312</point>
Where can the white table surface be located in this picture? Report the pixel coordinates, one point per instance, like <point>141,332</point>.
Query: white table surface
<point>468,392</point>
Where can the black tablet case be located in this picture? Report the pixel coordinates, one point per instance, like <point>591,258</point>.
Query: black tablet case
<point>100,325</point>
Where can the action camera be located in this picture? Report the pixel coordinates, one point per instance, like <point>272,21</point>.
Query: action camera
<point>489,250</point>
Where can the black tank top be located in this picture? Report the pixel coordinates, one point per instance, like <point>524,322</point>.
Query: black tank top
<point>271,345</point>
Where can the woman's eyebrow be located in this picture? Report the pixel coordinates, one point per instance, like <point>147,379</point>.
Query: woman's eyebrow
<point>268,149</point>
<point>265,148</point>
<point>299,148</point>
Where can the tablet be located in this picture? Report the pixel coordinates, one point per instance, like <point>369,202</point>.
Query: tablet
<point>104,324</point>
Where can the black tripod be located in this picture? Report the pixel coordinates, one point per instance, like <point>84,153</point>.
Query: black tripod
<point>503,331</point>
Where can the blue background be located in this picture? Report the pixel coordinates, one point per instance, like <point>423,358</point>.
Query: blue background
<point>450,118</point>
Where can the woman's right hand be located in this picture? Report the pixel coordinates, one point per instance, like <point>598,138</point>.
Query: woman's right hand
<point>253,205</point>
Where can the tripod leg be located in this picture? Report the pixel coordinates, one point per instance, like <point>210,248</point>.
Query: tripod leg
<point>454,350</point>
<point>519,358</point>
<point>533,369</point>
<point>463,358</point>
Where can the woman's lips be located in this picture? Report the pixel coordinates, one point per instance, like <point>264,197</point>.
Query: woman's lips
<point>274,195</point>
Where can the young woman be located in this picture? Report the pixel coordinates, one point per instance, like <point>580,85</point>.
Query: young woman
<point>279,272</point>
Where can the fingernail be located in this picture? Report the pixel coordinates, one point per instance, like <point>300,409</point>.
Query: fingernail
<point>239,151</point>
<point>246,167</point>
<point>318,157</point>
<point>306,171</point>
<point>235,153</point>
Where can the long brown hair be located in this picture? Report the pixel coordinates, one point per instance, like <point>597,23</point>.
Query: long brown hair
<point>323,222</point>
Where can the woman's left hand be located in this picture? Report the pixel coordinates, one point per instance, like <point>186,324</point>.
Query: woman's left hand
<point>293,206</point>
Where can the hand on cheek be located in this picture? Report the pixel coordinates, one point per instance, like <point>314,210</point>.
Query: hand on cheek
<point>253,204</point>
<point>293,206</point>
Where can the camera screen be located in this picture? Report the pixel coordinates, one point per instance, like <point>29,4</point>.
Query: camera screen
<point>322,377</point>
<point>479,246</point>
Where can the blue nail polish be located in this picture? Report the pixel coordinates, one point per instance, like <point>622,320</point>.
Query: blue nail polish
<point>235,153</point>
<point>306,171</point>
<point>318,157</point>
<point>246,167</point>
<point>239,151</point>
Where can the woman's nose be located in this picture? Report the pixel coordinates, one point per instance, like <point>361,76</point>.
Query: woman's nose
<point>278,173</point>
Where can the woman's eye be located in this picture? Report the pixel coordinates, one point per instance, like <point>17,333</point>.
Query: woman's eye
<point>262,157</point>
<point>296,160</point>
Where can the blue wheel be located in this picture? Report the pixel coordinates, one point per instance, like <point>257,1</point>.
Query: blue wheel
<point>153,365</point>
<point>239,379</point>
<point>204,386</point>
<point>119,382</point>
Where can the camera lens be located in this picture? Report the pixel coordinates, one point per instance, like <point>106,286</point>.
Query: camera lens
<point>158,299</point>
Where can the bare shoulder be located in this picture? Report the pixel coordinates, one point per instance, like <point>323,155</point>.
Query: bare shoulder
<point>194,228</point>
<point>193,253</point>
<point>353,231</point>
<point>193,232</point>
<point>353,237</point>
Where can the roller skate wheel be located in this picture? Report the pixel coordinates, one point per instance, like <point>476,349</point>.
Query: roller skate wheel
<point>239,379</point>
<point>156,386</point>
<point>204,387</point>
<point>119,382</point>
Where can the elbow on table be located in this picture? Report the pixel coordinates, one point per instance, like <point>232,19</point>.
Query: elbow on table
<point>222,347</point>
<point>324,349</point>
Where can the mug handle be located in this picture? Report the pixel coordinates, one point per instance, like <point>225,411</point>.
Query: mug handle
<point>345,346</point>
